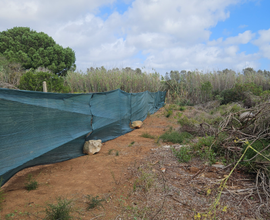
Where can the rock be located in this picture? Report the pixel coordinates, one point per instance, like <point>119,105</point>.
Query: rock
<point>92,146</point>
<point>245,116</point>
<point>178,146</point>
<point>137,124</point>
<point>167,146</point>
<point>218,165</point>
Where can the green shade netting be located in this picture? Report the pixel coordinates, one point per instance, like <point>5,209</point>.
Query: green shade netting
<point>42,128</point>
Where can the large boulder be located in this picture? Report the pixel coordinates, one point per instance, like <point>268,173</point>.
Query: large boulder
<point>92,146</point>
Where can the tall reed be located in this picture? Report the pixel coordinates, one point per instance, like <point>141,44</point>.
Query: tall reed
<point>197,87</point>
<point>102,80</point>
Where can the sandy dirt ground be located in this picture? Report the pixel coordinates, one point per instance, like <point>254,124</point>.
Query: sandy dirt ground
<point>137,177</point>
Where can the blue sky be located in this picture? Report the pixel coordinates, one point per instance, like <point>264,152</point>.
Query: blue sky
<point>164,35</point>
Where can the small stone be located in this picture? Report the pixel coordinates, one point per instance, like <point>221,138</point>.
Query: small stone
<point>137,124</point>
<point>167,146</point>
<point>218,165</point>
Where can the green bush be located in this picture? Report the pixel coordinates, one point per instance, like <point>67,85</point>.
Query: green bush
<point>176,137</point>
<point>168,113</point>
<point>184,120</point>
<point>34,81</point>
<point>93,202</point>
<point>257,145</point>
<point>251,87</point>
<point>230,95</point>
<point>182,108</point>
<point>183,154</point>
<point>237,93</point>
<point>61,210</point>
<point>204,142</point>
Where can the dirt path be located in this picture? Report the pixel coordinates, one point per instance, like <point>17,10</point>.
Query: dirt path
<point>142,180</point>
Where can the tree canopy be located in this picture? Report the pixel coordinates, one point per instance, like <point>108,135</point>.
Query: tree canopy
<point>33,50</point>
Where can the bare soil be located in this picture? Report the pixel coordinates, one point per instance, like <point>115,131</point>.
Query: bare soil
<point>142,180</point>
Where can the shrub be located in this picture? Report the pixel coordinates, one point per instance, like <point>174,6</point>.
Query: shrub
<point>61,210</point>
<point>184,120</point>
<point>145,181</point>
<point>176,137</point>
<point>31,183</point>
<point>34,81</point>
<point>93,202</point>
<point>257,145</point>
<point>168,113</point>
<point>230,95</point>
<point>183,154</point>
<point>182,108</point>
<point>204,142</point>
<point>237,93</point>
<point>251,87</point>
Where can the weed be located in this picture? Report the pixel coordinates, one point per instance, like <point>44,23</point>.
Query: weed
<point>183,154</point>
<point>61,210</point>
<point>94,202</point>
<point>131,143</point>
<point>210,155</point>
<point>204,142</point>
<point>2,195</point>
<point>203,149</point>
<point>10,216</point>
<point>168,113</point>
<point>236,108</point>
<point>111,151</point>
<point>145,181</point>
<point>182,108</point>
<point>148,114</point>
<point>179,114</point>
<point>16,215</point>
<point>176,137</point>
<point>31,184</point>
<point>147,135</point>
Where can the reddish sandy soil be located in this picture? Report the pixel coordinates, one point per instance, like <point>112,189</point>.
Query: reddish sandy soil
<point>132,183</point>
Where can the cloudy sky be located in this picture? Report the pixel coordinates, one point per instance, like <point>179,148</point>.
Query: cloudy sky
<point>162,35</point>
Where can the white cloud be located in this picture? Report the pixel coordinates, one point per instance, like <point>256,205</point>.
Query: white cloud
<point>242,38</point>
<point>170,34</point>
<point>263,42</point>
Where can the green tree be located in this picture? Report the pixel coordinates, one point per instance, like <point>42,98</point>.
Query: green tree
<point>32,50</point>
<point>33,81</point>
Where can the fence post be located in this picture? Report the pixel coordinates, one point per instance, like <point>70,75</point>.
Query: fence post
<point>44,86</point>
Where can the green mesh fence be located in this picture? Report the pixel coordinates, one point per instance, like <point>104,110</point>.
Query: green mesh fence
<point>41,128</point>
